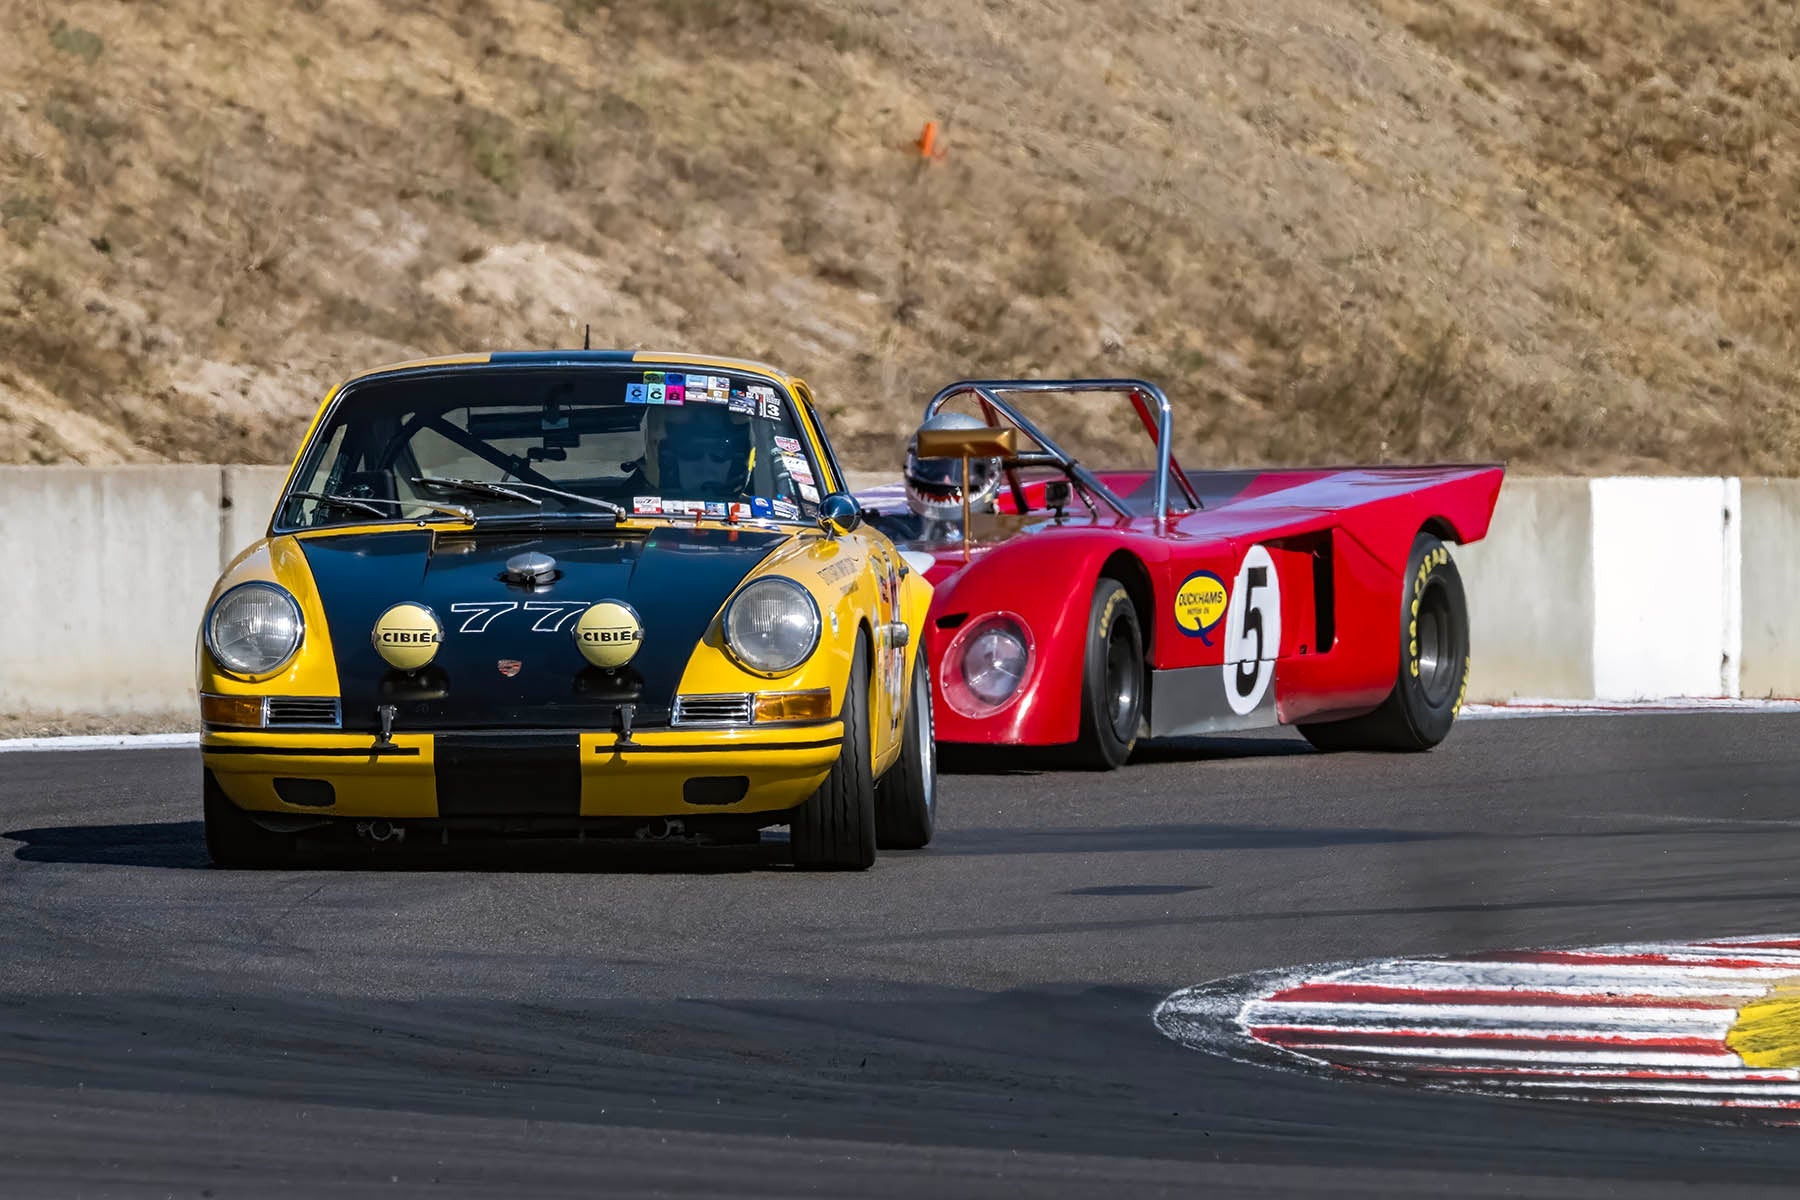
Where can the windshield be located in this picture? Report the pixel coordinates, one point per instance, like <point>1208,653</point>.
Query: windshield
<point>572,440</point>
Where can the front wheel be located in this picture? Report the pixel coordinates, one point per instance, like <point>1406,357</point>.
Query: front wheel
<point>1112,680</point>
<point>906,797</point>
<point>835,829</point>
<point>1433,672</point>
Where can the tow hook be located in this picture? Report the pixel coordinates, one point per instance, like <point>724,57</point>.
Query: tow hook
<point>387,713</point>
<point>381,831</point>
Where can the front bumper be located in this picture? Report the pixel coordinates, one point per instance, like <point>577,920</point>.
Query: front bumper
<point>681,772</point>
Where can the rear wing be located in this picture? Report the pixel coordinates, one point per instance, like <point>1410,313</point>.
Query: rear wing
<point>1152,407</point>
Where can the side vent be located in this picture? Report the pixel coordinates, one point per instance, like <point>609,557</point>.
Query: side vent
<point>733,709</point>
<point>304,712</point>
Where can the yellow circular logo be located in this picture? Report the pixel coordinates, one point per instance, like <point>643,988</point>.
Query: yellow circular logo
<point>1200,604</point>
<point>609,633</point>
<point>407,636</point>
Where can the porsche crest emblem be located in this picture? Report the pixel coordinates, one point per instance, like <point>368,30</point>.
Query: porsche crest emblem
<point>510,667</point>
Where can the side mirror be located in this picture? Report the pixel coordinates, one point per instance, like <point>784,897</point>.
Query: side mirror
<point>839,513</point>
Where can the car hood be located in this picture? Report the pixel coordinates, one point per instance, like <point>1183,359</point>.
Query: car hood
<point>509,658</point>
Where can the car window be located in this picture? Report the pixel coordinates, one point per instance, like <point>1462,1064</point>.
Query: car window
<point>654,442</point>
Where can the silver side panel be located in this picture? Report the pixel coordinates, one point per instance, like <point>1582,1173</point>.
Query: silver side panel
<point>1192,701</point>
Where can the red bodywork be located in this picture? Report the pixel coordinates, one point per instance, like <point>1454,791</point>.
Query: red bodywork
<point>1338,540</point>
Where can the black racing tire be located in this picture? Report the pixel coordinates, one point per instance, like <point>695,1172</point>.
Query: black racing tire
<point>906,797</point>
<point>234,839</point>
<point>1112,680</point>
<point>835,829</point>
<point>1433,676</point>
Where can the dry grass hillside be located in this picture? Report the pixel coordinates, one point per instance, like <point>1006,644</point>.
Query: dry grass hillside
<point>1560,234</point>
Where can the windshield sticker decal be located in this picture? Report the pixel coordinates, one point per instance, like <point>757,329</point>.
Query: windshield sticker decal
<point>808,492</point>
<point>742,402</point>
<point>787,444</point>
<point>786,509</point>
<point>760,506</point>
<point>654,387</point>
<point>715,509</point>
<point>637,393</point>
<point>768,405</point>
<point>683,508</point>
<point>798,469</point>
<point>648,506</point>
<point>675,390</point>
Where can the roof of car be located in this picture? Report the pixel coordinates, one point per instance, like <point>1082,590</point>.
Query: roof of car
<point>582,357</point>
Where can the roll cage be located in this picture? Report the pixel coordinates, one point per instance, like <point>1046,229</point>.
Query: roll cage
<point>1147,400</point>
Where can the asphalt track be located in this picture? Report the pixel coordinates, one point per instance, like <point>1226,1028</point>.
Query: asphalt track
<point>973,1019</point>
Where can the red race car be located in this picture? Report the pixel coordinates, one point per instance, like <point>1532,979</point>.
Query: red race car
<point>1086,608</point>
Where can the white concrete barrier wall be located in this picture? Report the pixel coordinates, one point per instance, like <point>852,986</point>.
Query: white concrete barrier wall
<point>1608,589</point>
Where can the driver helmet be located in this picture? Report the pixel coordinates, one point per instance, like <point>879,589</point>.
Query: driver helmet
<point>705,452</point>
<point>934,485</point>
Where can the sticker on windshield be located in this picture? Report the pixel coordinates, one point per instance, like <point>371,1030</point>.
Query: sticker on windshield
<point>683,508</point>
<point>648,506</point>
<point>790,445</point>
<point>808,492</point>
<point>760,506</point>
<point>654,387</point>
<point>741,512</point>
<point>742,402</point>
<point>786,508</point>
<point>768,404</point>
<point>637,393</point>
<point>715,509</point>
<point>675,390</point>
<point>718,389</point>
<point>798,469</point>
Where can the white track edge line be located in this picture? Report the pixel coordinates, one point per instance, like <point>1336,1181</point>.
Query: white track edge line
<point>103,741</point>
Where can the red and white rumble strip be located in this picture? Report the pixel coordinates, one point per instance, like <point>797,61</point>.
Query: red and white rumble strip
<point>1638,1024</point>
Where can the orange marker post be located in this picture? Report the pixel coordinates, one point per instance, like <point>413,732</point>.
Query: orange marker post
<point>927,142</point>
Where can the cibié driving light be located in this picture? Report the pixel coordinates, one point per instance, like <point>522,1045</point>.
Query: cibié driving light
<point>609,633</point>
<point>407,636</point>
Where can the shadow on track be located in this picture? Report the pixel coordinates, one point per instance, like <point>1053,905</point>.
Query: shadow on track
<point>1102,839</point>
<point>181,845</point>
<point>958,759</point>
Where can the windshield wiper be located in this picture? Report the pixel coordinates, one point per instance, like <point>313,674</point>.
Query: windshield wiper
<point>515,490</point>
<point>370,504</point>
<point>475,485</point>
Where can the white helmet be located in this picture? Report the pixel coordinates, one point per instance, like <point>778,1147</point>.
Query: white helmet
<point>934,485</point>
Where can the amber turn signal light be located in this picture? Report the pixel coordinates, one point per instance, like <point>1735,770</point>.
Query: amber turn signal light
<point>814,705</point>
<point>243,712</point>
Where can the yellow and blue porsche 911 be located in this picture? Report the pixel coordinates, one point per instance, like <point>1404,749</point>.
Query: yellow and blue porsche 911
<point>609,594</point>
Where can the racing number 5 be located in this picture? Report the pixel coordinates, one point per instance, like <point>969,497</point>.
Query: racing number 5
<point>1252,631</point>
<point>1249,667</point>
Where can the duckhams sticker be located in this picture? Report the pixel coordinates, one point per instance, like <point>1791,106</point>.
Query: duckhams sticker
<point>1200,605</point>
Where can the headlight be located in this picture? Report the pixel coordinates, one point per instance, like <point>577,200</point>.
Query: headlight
<point>254,628</point>
<point>772,626</point>
<point>987,665</point>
